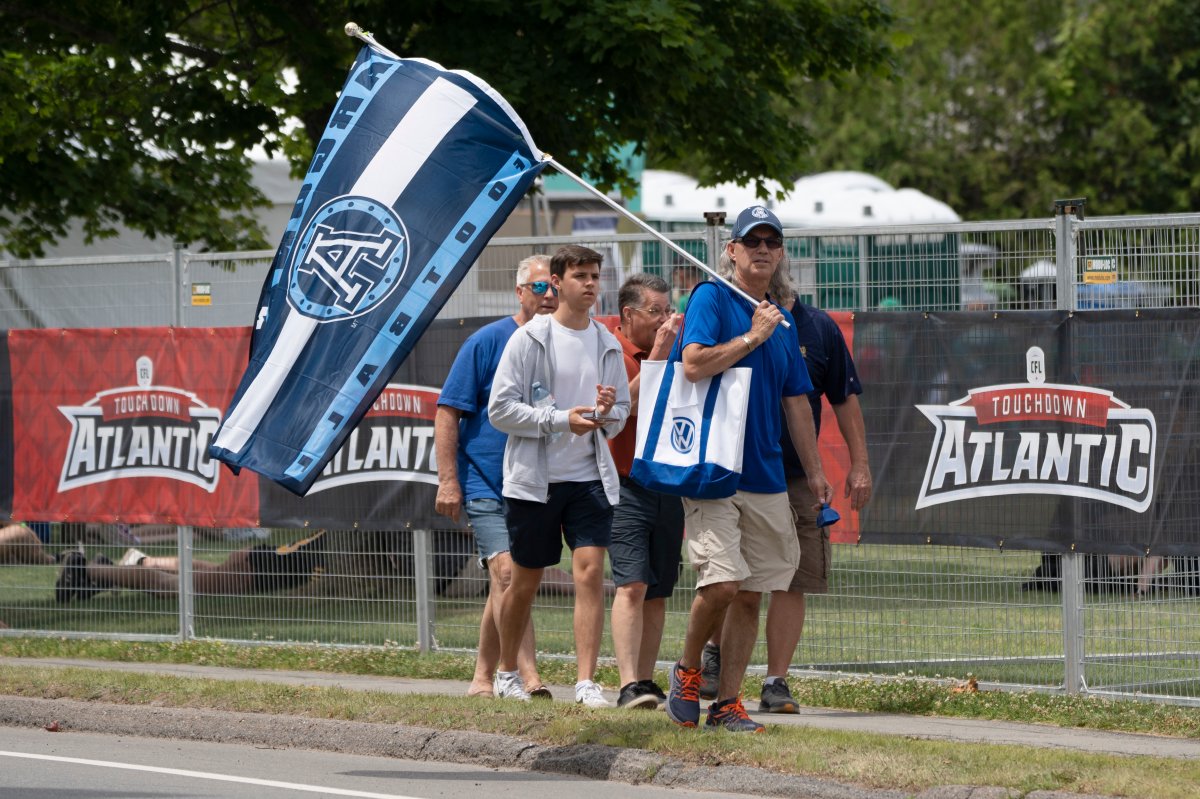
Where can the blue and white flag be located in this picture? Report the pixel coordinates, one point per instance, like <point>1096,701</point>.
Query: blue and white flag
<point>418,168</point>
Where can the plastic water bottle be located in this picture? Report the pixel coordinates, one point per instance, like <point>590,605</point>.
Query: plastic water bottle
<point>542,398</point>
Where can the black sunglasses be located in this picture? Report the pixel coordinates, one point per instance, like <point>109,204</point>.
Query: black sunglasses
<point>539,287</point>
<point>752,242</point>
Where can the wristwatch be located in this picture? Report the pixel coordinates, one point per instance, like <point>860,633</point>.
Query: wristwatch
<point>746,341</point>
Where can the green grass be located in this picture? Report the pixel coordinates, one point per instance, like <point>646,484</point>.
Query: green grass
<point>930,611</point>
<point>862,758</point>
<point>894,695</point>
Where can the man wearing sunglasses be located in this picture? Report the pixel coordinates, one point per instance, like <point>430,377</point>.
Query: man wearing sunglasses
<point>470,454</point>
<point>560,392</point>
<point>746,544</point>
<point>647,531</point>
<point>834,377</point>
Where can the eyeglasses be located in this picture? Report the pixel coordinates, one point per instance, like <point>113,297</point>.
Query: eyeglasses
<point>539,287</point>
<point>653,310</point>
<point>752,242</point>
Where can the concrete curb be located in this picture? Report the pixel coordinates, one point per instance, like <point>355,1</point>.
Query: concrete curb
<point>591,761</point>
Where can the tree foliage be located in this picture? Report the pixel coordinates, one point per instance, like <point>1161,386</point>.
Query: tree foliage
<point>140,113</point>
<point>999,107</point>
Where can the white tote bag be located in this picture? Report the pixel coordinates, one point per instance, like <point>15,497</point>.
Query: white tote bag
<point>690,436</point>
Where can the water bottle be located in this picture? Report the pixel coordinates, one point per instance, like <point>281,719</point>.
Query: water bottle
<point>542,398</point>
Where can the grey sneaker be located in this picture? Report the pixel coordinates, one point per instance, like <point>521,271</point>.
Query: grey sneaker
<point>710,671</point>
<point>588,694</point>
<point>776,698</point>
<point>508,685</point>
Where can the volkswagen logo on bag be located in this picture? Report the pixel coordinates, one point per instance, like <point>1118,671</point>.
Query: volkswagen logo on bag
<point>683,434</point>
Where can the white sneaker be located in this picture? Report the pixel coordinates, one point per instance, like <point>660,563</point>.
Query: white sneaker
<point>587,693</point>
<point>509,685</point>
<point>131,557</point>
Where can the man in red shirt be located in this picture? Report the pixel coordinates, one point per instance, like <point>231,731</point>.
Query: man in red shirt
<point>647,527</point>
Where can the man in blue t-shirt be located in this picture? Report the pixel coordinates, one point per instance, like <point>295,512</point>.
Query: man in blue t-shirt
<point>470,457</point>
<point>834,377</point>
<point>743,545</point>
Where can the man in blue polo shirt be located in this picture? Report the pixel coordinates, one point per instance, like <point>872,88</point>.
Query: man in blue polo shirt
<point>745,544</point>
<point>470,456</point>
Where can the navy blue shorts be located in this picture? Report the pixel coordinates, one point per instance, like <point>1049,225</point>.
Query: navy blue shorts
<point>577,512</point>
<point>647,535</point>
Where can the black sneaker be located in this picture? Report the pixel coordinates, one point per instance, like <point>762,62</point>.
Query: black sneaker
<point>73,582</point>
<point>653,688</point>
<point>636,694</point>
<point>710,671</point>
<point>776,698</point>
<point>731,715</point>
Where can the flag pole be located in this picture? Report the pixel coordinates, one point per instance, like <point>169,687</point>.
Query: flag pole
<point>353,30</point>
<point>675,247</point>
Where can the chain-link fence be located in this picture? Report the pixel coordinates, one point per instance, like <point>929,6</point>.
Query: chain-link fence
<point>1015,618</point>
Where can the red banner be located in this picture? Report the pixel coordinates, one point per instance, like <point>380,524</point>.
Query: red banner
<point>113,425</point>
<point>834,455</point>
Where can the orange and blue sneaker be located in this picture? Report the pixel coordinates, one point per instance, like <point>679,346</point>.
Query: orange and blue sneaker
<point>730,715</point>
<point>683,698</point>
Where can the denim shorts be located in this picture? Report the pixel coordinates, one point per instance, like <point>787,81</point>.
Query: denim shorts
<point>491,531</point>
<point>577,512</point>
<point>647,535</point>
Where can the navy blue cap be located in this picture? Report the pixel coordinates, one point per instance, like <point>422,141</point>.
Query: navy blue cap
<point>754,216</point>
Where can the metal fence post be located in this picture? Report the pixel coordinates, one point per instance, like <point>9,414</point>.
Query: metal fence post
<point>423,575</point>
<point>1066,213</point>
<point>713,221</point>
<point>1071,592</point>
<point>187,620</point>
<point>864,274</point>
<point>180,269</point>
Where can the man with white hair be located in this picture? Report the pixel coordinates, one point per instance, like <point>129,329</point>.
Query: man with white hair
<point>470,454</point>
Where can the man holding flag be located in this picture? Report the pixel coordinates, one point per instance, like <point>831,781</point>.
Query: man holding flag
<point>743,545</point>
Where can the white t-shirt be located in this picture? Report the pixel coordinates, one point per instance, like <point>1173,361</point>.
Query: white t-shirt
<point>572,458</point>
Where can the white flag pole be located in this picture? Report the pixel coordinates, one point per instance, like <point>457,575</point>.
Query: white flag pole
<point>622,210</point>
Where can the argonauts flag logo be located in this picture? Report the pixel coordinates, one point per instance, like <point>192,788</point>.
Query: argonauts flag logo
<point>140,431</point>
<point>1040,438</point>
<point>349,259</point>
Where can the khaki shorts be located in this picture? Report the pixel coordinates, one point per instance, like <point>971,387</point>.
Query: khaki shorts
<point>747,538</point>
<point>813,575</point>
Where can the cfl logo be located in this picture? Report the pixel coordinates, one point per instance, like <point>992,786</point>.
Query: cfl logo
<point>683,434</point>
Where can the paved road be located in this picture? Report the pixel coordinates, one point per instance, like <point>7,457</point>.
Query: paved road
<point>98,766</point>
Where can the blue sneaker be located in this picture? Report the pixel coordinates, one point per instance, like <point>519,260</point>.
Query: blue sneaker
<point>683,698</point>
<point>730,715</point>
